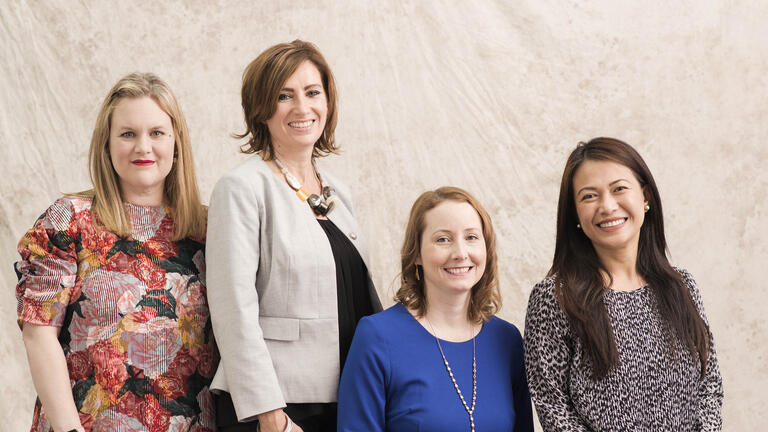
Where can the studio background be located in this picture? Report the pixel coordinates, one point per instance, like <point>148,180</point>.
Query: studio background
<point>490,96</point>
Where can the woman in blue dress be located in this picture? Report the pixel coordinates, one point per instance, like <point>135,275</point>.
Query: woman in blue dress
<point>439,360</point>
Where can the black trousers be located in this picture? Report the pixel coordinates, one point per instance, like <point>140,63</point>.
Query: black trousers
<point>312,417</point>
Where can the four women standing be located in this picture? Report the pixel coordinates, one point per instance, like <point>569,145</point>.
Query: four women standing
<point>112,294</point>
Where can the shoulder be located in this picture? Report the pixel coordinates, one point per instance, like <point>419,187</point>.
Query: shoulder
<point>250,174</point>
<point>503,328</point>
<point>690,283</point>
<point>68,209</point>
<point>543,294</point>
<point>384,325</point>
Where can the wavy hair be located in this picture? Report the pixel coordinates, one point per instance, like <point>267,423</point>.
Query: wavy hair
<point>180,190</point>
<point>263,79</point>
<point>485,298</point>
<point>580,286</point>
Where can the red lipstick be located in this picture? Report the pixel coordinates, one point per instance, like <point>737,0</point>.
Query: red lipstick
<point>143,162</point>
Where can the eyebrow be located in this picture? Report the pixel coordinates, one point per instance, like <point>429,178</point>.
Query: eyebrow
<point>286,89</point>
<point>594,188</point>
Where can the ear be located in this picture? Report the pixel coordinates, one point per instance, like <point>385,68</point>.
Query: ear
<point>646,194</point>
<point>417,261</point>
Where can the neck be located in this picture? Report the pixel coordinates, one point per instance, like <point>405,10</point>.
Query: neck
<point>621,265</point>
<point>150,197</point>
<point>297,162</point>
<point>447,315</point>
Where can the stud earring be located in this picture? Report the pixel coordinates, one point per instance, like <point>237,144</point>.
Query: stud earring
<point>578,226</point>
<point>647,207</point>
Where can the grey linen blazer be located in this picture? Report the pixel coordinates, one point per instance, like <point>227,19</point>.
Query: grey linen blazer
<point>271,280</point>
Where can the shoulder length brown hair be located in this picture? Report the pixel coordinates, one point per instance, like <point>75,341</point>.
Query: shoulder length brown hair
<point>263,80</point>
<point>180,191</point>
<point>580,286</point>
<point>485,298</point>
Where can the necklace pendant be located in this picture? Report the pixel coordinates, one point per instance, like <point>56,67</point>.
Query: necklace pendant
<point>302,194</point>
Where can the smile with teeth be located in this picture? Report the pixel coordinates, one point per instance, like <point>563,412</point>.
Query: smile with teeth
<point>612,223</point>
<point>458,270</point>
<point>301,124</point>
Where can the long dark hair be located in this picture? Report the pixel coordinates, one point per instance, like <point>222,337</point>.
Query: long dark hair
<point>579,283</point>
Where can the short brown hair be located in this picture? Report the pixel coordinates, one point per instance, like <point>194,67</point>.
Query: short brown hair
<point>262,81</point>
<point>180,190</point>
<point>485,298</point>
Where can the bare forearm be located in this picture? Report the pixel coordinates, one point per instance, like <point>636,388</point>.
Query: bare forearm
<point>51,378</point>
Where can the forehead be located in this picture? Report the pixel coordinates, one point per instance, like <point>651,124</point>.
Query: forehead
<point>306,74</point>
<point>597,173</point>
<point>139,111</point>
<point>451,216</point>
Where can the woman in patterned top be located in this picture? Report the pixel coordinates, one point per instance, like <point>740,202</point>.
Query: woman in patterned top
<point>615,337</point>
<point>111,296</point>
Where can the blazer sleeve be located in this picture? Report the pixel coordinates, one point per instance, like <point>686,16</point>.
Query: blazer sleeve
<point>363,387</point>
<point>232,255</point>
<point>711,385</point>
<point>547,357</point>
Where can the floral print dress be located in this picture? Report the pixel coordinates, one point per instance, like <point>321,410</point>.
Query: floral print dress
<point>135,326</point>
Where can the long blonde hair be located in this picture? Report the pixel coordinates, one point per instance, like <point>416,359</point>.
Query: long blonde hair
<point>180,190</point>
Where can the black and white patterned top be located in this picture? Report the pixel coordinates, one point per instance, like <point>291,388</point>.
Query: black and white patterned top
<point>652,388</point>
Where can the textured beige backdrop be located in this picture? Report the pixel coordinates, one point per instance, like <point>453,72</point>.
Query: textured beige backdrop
<point>487,95</point>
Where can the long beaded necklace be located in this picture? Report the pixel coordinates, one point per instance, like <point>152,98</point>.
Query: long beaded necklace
<point>470,410</point>
<point>320,205</point>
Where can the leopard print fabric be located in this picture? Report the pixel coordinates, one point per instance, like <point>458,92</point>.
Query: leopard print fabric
<point>652,389</point>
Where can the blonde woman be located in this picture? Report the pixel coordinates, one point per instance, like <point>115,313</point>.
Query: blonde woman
<point>111,298</point>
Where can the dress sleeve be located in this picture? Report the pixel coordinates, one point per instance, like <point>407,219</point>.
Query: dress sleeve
<point>521,394</point>
<point>547,359</point>
<point>364,381</point>
<point>232,261</point>
<point>711,385</point>
<point>48,267</point>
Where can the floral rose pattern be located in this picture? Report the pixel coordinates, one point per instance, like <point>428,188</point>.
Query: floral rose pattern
<point>135,327</point>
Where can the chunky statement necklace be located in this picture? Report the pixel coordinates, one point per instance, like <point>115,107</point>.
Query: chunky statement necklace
<point>321,205</point>
<point>468,409</point>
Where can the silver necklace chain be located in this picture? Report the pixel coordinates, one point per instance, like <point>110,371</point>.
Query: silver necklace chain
<point>470,410</point>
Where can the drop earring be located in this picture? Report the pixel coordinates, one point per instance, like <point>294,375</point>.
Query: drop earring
<point>417,273</point>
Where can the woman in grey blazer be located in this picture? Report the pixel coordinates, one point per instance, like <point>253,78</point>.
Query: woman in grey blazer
<point>286,273</point>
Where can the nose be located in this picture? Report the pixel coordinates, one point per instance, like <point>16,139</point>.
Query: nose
<point>143,144</point>
<point>608,204</point>
<point>460,250</point>
<point>302,103</point>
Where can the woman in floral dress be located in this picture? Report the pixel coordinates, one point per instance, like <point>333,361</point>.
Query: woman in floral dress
<point>111,294</point>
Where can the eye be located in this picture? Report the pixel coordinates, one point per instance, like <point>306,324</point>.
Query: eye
<point>283,97</point>
<point>128,134</point>
<point>473,237</point>
<point>620,188</point>
<point>588,196</point>
<point>157,133</point>
<point>313,93</point>
<point>442,239</point>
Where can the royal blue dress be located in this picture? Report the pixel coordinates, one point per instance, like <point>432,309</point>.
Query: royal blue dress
<point>395,380</point>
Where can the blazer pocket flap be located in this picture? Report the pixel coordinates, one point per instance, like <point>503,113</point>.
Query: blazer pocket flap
<point>276,328</point>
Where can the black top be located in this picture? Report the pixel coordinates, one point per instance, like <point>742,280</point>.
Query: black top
<point>352,296</point>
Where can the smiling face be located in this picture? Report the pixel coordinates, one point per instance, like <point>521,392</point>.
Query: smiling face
<point>302,110</point>
<point>453,252</point>
<point>141,147</point>
<point>610,205</point>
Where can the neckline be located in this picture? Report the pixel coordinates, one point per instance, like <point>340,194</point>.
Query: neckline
<point>431,336</point>
<point>621,292</point>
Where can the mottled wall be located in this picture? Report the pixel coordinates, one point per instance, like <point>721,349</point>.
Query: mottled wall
<point>487,95</point>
